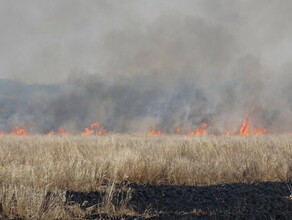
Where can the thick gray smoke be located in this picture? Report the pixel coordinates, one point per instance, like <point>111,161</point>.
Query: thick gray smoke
<point>142,64</point>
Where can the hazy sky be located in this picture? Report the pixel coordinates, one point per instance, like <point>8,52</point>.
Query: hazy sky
<point>45,41</point>
<point>134,64</point>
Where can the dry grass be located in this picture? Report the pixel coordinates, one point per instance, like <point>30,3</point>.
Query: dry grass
<point>32,166</point>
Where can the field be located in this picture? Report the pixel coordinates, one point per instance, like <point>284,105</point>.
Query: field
<point>142,176</point>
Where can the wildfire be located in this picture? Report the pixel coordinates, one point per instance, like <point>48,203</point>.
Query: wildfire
<point>153,132</point>
<point>62,132</point>
<point>87,131</point>
<point>95,126</point>
<point>259,131</point>
<point>20,131</point>
<point>244,130</point>
<point>199,131</point>
<point>227,133</point>
<point>102,131</point>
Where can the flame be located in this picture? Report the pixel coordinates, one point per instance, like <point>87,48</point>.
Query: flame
<point>153,132</point>
<point>62,132</point>
<point>96,128</point>
<point>199,131</point>
<point>20,131</point>
<point>227,133</point>
<point>244,130</point>
<point>89,131</point>
<point>101,131</point>
<point>259,131</point>
<point>96,124</point>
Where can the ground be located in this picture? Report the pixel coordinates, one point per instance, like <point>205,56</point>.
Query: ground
<point>145,177</point>
<point>265,200</point>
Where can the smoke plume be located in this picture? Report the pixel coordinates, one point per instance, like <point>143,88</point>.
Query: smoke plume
<point>137,65</point>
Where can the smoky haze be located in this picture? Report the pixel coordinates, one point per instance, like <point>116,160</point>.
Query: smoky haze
<point>133,65</point>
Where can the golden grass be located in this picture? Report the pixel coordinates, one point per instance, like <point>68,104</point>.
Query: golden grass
<point>31,166</point>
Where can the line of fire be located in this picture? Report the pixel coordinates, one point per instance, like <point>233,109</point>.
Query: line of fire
<point>97,129</point>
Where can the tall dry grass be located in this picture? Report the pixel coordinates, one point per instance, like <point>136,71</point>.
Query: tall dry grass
<point>32,166</point>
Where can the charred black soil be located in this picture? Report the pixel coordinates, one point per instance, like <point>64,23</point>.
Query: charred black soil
<point>266,200</point>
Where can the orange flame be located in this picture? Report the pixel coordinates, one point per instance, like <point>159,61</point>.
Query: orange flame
<point>153,132</point>
<point>87,131</point>
<point>227,133</point>
<point>96,124</point>
<point>102,131</point>
<point>199,131</point>
<point>19,131</point>
<point>259,131</point>
<point>96,128</point>
<point>244,130</point>
<point>62,132</point>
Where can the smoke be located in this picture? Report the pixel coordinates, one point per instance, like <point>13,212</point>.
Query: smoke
<point>138,65</point>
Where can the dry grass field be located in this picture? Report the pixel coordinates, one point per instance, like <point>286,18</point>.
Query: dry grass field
<point>37,171</point>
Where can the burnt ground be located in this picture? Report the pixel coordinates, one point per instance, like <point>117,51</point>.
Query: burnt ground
<point>267,200</point>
